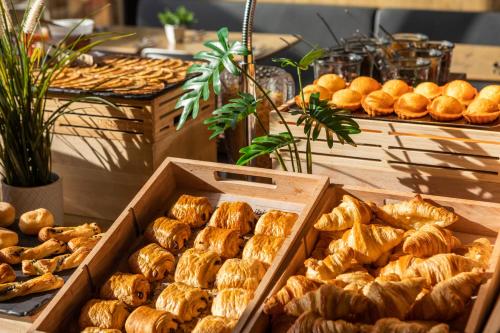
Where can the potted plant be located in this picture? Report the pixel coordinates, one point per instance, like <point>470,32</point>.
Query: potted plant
<point>176,22</point>
<point>25,128</point>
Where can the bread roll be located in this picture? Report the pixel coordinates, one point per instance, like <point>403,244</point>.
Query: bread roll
<point>7,238</point>
<point>7,214</point>
<point>30,223</point>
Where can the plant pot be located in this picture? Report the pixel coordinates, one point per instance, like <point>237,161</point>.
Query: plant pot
<point>175,34</point>
<point>25,199</point>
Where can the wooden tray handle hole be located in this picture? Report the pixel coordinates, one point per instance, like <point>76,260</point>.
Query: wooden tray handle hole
<point>245,179</point>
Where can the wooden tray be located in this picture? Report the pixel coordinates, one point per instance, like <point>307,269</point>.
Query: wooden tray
<point>478,219</point>
<point>285,191</point>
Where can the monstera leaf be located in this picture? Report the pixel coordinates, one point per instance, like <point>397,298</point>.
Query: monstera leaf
<point>264,145</point>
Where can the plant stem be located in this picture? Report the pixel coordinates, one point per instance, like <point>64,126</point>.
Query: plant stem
<point>308,143</point>
<point>278,155</point>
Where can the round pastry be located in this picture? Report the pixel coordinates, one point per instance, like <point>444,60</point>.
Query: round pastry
<point>411,106</point>
<point>347,99</point>
<point>7,214</point>
<point>446,108</point>
<point>324,94</point>
<point>491,92</point>
<point>364,85</point>
<point>396,88</point>
<point>378,103</point>
<point>481,111</point>
<point>32,222</point>
<point>8,238</point>
<point>332,82</point>
<point>429,90</point>
<point>463,91</point>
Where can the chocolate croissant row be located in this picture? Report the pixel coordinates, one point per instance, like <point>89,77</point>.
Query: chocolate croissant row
<point>55,264</point>
<point>16,254</point>
<point>39,284</point>
<point>131,289</point>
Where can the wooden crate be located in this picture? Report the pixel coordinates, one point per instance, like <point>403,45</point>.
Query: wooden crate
<point>106,154</point>
<point>478,219</point>
<point>289,192</point>
<point>425,158</point>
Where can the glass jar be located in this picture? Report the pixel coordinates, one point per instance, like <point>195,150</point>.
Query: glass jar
<point>446,48</point>
<point>435,56</point>
<point>345,64</point>
<point>404,40</point>
<point>411,70</point>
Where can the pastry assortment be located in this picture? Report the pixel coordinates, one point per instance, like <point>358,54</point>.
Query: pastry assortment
<point>390,268</point>
<point>196,272</point>
<point>57,251</point>
<point>453,101</point>
<point>124,75</point>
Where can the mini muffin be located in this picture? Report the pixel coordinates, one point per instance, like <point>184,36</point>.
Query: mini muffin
<point>347,99</point>
<point>411,105</point>
<point>324,94</point>
<point>446,108</point>
<point>463,91</point>
<point>491,92</point>
<point>364,85</point>
<point>481,111</point>
<point>429,90</point>
<point>396,88</point>
<point>378,103</point>
<point>332,82</point>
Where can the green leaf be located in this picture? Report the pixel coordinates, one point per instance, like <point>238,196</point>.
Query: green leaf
<point>285,62</point>
<point>264,145</point>
<point>311,57</point>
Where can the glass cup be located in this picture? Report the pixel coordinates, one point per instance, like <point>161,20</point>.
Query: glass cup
<point>446,48</point>
<point>345,64</point>
<point>411,70</point>
<point>404,40</point>
<point>434,55</point>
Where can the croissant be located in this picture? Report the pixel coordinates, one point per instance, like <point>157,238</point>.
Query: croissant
<point>103,314</point>
<point>152,261</point>
<point>225,242</point>
<point>393,299</point>
<point>100,330</point>
<point>240,273</point>
<point>430,240</point>
<point>231,302</point>
<point>394,325</point>
<point>16,254</point>
<point>330,302</point>
<point>296,286</point>
<point>197,268</point>
<point>414,214</point>
<point>147,320</point>
<point>7,274</point>
<point>65,234</point>
<point>342,217</point>
<point>194,211</point>
<point>340,243</point>
<point>131,289</point>
<point>276,223</point>
<point>441,267</point>
<point>215,324</point>
<point>233,215</point>
<point>355,280</point>
<point>400,265</point>
<point>263,248</point>
<point>331,266</point>
<point>183,301</point>
<point>39,284</point>
<point>369,242</point>
<point>321,248</point>
<point>55,264</point>
<point>479,250</point>
<point>310,322</point>
<point>169,234</point>
<point>87,242</point>
<point>448,298</point>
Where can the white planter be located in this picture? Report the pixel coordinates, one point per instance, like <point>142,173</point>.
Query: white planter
<point>25,199</point>
<point>175,34</point>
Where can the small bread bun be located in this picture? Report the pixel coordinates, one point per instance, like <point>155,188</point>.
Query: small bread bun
<point>7,238</point>
<point>30,223</point>
<point>7,214</point>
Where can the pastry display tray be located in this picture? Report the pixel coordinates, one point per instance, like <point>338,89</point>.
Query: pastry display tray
<point>263,189</point>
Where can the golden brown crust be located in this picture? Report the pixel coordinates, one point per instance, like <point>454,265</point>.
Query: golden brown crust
<point>240,273</point>
<point>192,210</point>
<point>7,215</point>
<point>411,106</point>
<point>224,242</point>
<point>100,330</point>
<point>103,314</point>
<point>350,211</point>
<point>215,324</point>
<point>231,303</point>
<point>479,250</point>
<point>131,289</point>
<point>462,90</point>
<point>276,223</point>
<point>55,264</point>
<point>430,240</point>
<point>331,266</point>
<point>263,248</point>
<point>7,274</point>
<point>65,234</point>
<point>296,287</point>
<point>365,85</point>
<point>324,94</point>
<point>482,111</point>
<point>39,284</point>
<point>347,99</point>
<point>446,108</point>
<point>429,90</point>
<point>183,301</point>
<point>148,320</point>
<point>16,254</point>
<point>309,322</point>
<point>491,92</point>
<point>331,82</point>
<point>30,223</point>
<point>396,88</point>
<point>399,266</point>
<point>378,103</point>
<point>8,238</point>
<point>355,281</point>
<point>152,261</point>
<point>198,268</point>
<point>87,242</point>
<point>168,233</point>
<point>394,325</point>
<point>233,215</point>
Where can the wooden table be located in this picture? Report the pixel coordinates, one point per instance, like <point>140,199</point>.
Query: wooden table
<point>265,45</point>
<point>477,61</point>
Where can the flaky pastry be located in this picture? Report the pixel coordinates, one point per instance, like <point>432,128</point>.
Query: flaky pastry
<point>429,90</point>
<point>331,82</point>
<point>131,289</point>
<point>296,286</point>
<point>378,103</point>
<point>152,261</point>
<point>276,223</point>
<point>183,301</point>
<point>240,273</point>
<point>197,268</point>
<point>168,233</point>
<point>462,90</point>
<point>225,242</point>
<point>350,211</point>
<point>364,85</point>
<point>234,215</point>
<point>481,111</point>
<point>446,108</point>
<point>103,314</point>
<point>148,320</point>
<point>347,99</point>
<point>195,211</point>
<point>231,302</point>
<point>263,248</point>
<point>411,105</point>
<point>396,88</point>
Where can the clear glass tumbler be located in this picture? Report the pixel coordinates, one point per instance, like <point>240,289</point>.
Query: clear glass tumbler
<point>411,70</point>
<point>446,48</point>
<point>345,64</point>
<point>435,56</point>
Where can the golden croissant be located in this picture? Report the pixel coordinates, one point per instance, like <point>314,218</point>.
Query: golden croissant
<point>276,223</point>
<point>296,286</point>
<point>330,302</point>
<point>342,217</point>
<point>394,325</point>
<point>321,248</point>
<point>355,280</point>
<point>448,298</point>
<point>215,324</point>
<point>430,240</point>
<point>479,250</point>
<point>310,322</point>
<point>328,268</point>
<point>400,265</point>
<point>414,214</point>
